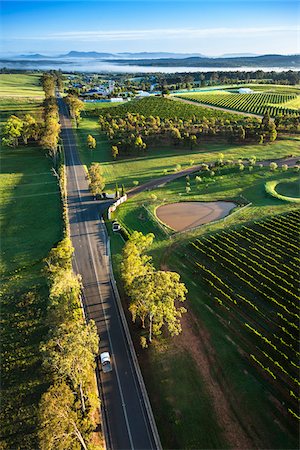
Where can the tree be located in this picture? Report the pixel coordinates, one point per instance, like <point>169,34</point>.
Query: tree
<point>284,167</point>
<point>12,131</point>
<point>261,138</point>
<point>60,256</point>
<point>193,140</point>
<point>58,421</point>
<point>175,133</point>
<point>76,106</point>
<point>97,181</point>
<point>198,181</point>
<point>50,136</point>
<point>139,144</point>
<point>272,132</point>
<point>70,354</point>
<point>91,142</point>
<point>153,298</point>
<point>117,191</point>
<point>30,129</point>
<point>273,166</point>
<point>48,84</point>
<point>265,121</point>
<point>134,263</point>
<point>114,151</point>
<point>241,133</point>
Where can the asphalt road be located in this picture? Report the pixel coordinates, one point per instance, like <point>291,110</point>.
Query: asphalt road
<point>128,421</point>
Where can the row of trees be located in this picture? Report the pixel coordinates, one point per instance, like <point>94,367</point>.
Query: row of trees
<point>153,294</point>
<point>135,131</point>
<point>18,130</point>
<point>68,409</point>
<point>26,129</point>
<point>183,80</point>
<point>75,106</point>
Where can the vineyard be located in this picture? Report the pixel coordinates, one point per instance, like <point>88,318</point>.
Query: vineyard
<point>257,103</point>
<point>167,109</point>
<point>252,277</point>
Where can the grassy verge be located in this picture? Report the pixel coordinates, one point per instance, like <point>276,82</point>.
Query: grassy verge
<point>30,214</point>
<point>288,191</point>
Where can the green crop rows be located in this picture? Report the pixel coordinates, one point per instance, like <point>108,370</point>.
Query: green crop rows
<point>252,275</point>
<point>257,103</point>
<point>166,109</point>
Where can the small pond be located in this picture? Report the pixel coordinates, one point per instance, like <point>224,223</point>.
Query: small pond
<point>186,215</point>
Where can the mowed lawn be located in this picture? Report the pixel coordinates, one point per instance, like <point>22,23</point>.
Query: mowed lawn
<point>21,85</point>
<point>30,217</point>
<point>152,163</point>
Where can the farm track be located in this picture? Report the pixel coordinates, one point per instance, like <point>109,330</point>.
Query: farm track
<point>237,429</point>
<point>153,184</point>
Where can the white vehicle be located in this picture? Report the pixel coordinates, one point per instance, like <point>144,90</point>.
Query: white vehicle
<point>105,362</point>
<point>116,226</point>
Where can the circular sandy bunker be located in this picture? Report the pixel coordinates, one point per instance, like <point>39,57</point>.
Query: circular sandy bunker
<point>186,215</point>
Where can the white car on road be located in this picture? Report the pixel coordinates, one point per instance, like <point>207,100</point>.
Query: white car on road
<point>105,362</point>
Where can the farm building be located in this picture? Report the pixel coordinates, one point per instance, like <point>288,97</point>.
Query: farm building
<point>245,91</point>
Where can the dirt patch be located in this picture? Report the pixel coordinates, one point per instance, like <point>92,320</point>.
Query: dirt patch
<point>186,215</point>
<point>196,341</point>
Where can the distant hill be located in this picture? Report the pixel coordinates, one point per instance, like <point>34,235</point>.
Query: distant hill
<point>254,61</point>
<point>75,54</point>
<point>33,56</point>
<point>102,55</point>
<point>237,55</point>
<point>158,55</point>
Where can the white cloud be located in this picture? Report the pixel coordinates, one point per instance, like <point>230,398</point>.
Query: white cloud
<point>171,33</point>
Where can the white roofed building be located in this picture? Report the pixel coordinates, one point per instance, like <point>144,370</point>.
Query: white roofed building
<point>245,91</point>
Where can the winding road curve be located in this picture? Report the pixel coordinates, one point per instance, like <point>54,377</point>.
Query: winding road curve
<point>127,416</point>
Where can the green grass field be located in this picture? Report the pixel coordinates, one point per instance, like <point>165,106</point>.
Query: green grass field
<point>153,163</point>
<point>30,214</point>
<point>96,108</point>
<point>21,85</point>
<point>289,189</point>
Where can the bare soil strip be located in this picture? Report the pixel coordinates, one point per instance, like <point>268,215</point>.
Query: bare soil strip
<point>195,339</point>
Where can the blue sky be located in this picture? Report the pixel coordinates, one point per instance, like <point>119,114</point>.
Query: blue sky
<point>209,27</point>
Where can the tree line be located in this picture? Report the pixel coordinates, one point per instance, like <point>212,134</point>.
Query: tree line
<point>67,411</point>
<point>27,129</point>
<point>153,294</point>
<point>135,131</point>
